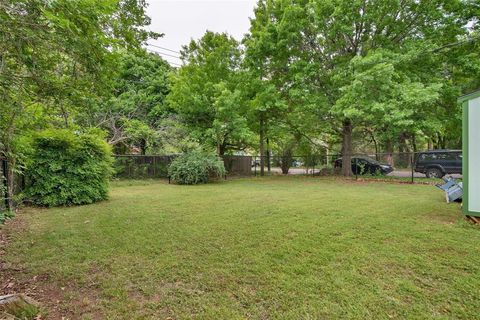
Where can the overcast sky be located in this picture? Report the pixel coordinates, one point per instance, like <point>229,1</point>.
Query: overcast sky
<point>182,20</point>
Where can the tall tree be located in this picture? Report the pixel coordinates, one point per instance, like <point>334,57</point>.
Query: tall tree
<point>206,95</point>
<point>55,56</point>
<point>133,112</point>
<point>326,49</point>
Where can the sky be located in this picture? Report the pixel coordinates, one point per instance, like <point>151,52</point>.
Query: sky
<point>183,20</point>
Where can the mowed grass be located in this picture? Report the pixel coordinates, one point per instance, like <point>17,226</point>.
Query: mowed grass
<point>261,248</point>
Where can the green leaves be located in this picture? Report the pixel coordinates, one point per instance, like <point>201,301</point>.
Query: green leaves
<point>68,169</point>
<point>374,64</point>
<point>59,57</point>
<point>196,167</point>
<point>207,95</point>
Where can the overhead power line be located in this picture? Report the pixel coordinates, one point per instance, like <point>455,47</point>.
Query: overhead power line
<point>167,55</point>
<point>164,54</point>
<point>159,47</point>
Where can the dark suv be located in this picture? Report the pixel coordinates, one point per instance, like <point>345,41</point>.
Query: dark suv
<point>437,163</point>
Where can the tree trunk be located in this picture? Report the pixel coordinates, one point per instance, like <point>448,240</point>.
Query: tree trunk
<point>403,150</point>
<point>221,149</point>
<point>347,148</point>
<point>8,153</point>
<point>443,141</point>
<point>286,160</point>
<point>10,184</point>
<point>375,143</point>
<point>262,144</point>
<point>269,166</point>
<point>389,147</point>
<point>414,142</point>
<point>4,182</point>
<point>143,146</point>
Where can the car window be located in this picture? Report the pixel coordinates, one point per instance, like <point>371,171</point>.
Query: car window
<point>359,161</point>
<point>438,156</point>
<point>451,156</point>
<point>370,160</point>
<point>428,156</point>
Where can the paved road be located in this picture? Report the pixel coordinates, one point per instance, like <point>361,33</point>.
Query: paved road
<point>408,174</point>
<point>396,173</point>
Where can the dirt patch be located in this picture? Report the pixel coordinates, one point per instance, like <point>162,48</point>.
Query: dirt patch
<point>56,301</point>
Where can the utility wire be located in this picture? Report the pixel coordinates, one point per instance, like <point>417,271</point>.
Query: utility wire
<point>165,54</point>
<point>161,53</point>
<point>159,47</point>
<point>429,51</point>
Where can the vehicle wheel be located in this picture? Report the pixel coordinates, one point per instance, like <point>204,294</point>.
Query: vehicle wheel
<point>434,173</point>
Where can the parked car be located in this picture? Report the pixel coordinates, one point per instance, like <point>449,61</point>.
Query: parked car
<point>366,165</point>
<point>255,163</point>
<point>438,163</point>
<point>297,163</point>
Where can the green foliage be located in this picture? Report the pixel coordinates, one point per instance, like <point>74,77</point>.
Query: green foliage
<point>57,58</point>
<point>6,214</point>
<point>66,168</point>
<point>344,64</point>
<point>308,75</point>
<point>132,114</point>
<point>207,96</point>
<point>195,168</point>
<point>21,309</point>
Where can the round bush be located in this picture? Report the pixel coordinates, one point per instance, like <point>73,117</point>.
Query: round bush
<point>66,168</point>
<point>196,167</point>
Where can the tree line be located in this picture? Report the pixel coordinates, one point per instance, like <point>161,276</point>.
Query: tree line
<point>310,77</point>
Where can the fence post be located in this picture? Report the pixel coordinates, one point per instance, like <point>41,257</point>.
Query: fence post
<point>129,167</point>
<point>412,160</point>
<point>356,168</point>
<point>154,165</point>
<point>255,164</point>
<point>313,166</point>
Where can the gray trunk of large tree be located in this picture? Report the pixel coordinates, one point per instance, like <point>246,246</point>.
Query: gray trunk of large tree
<point>347,148</point>
<point>262,144</point>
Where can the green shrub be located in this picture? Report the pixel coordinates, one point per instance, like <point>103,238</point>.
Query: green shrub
<point>196,167</point>
<point>66,168</point>
<point>6,214</point>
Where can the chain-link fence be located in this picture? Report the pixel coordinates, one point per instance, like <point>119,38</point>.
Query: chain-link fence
<point>141,166</point>
<point>155,166</point>
<point>406,166</point>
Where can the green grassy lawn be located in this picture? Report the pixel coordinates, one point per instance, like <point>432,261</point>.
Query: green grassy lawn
<point>260,248</point>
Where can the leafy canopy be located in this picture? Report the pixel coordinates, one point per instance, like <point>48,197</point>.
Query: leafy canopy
<point>206,94</point>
